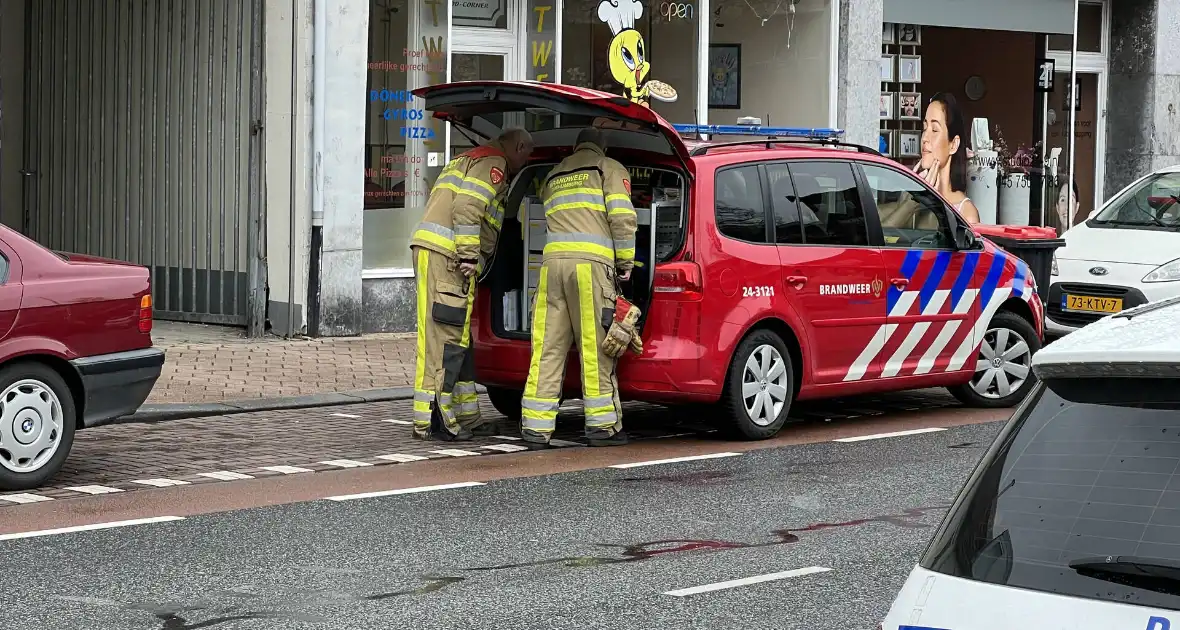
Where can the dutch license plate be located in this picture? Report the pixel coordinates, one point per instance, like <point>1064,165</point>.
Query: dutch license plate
<point>1090,304</point>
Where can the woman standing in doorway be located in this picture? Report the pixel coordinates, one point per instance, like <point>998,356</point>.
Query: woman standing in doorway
<point>944,153</point>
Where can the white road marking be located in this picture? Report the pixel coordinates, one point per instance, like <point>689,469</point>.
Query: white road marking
<point>507,437</point>
<point>287,470</point>
<point>23,498</point>
<point>91,527</point>
<point>94,489</point>
<point>346,463</point>
<point>674,460</point>
<point>507,448</point>
<point>161,483</point>
<point>454,452</point>
<point>401,422</point>
<point>400,458</point>
<point>344,415</point>
<point>757,579</point>
<point>878,436</point>
<point>387,493</point>
<point>226,475</point>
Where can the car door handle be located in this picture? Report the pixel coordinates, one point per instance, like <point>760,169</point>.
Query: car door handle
<point>797,281</point>
<point>900,282</point>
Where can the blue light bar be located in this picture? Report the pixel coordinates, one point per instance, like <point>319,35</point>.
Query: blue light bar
<point>758,130</point>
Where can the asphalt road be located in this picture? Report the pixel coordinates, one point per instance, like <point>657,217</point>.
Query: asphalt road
<point>593,549</point>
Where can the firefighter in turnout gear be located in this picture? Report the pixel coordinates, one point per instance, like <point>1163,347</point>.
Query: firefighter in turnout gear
<point>456,236</point>
<point>590,243</point>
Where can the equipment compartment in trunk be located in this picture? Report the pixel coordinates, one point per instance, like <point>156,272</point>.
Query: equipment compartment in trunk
<point>515,271</point>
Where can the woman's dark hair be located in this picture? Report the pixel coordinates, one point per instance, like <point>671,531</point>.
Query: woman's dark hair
<point>1076,194</point>
<point>955,126</point>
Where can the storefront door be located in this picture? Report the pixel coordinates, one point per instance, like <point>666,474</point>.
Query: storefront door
<point>1086,135</point>
<point>482,55</point>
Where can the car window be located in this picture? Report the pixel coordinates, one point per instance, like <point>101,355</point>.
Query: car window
<point>793,225</point>
<point>1071,483</point>
<point>739,208</point>
<point>1155,202</point>
<point>3,268</point>
<point>828,190</point>
<point>912,215</point>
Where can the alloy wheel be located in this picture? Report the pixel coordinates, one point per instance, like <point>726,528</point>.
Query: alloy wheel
<point>30,425</point>
<point>764,385</point>
<point>1003,364</point>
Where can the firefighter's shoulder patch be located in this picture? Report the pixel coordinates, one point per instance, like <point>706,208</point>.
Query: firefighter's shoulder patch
<point>627,185</point>
<point>497,175</point>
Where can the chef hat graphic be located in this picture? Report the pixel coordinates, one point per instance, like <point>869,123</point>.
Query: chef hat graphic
<point>620,14</point>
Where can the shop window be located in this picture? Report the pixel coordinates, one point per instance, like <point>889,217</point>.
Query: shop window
<point>480,13</point>
<point>1089,31</point>
<point>738,204</point>
<point>911,215</point>
<point>828,190</point>
<point>769,60</point>
<point>404,146</point>
<point>645,50</point>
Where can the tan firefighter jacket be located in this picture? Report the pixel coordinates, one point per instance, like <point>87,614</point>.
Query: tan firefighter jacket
<point>588,209</point>
<point>465,210</point>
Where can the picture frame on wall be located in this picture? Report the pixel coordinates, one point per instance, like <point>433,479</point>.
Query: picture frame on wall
<point>909,69</point>
<point>909,35</point>
<point>909,144</point>
<point>885,142</point>
<point>888,68</point>
<point>888,33</point>
<point>888,105</point>
<point>725,76</point>
<point>909,106</point>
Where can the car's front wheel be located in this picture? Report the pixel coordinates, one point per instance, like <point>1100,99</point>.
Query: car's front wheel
<point>1003,368</point>
<point>760,386</point>
<point>37,420</point>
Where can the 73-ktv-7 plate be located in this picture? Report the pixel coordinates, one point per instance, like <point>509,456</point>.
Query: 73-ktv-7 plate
<point>1091,304</point>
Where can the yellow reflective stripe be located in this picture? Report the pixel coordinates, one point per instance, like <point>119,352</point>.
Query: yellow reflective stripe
<point>625,254</point>
<point>618,197</point>
<point>595,411</point>
<point>533,414</point>
<point>465,340</point>
<point>421,406</point>
<point>436,239</point>
<point>581,248</point>
<point>464,239</point>
<point>596,192</point>
<point>479,182</point>
<point>589,321</point>
<point>617,211</point>
<point>530,386</point>
<point>420,362</point>
<point>574,205</point>
<point>463,191</point>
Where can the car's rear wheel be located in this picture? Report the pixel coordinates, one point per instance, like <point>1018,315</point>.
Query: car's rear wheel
<point>37,420</point>
<point>506,401</point>
<point>760,386</point>
<point>1003,368</point>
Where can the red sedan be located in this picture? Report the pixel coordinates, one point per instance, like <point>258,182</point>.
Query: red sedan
<point>75,352</point>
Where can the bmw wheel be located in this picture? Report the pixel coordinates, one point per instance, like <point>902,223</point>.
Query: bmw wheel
<point>760,386</point>
<point>37,417</point>
<point>1003,368</point>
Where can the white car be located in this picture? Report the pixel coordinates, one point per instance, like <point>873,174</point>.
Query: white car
<point>1072,517</point>
<point>1125,254</point>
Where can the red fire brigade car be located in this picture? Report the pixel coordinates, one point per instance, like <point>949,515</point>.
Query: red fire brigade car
<point>771,270</point>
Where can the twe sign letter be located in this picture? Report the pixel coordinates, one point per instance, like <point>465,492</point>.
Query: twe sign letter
<point>542,39</point>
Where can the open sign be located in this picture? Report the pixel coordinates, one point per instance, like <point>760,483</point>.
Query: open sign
<point>677,11</point>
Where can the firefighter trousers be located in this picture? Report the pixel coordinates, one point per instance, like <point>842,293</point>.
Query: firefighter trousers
<point>444,370</point>
<point>574,304</point>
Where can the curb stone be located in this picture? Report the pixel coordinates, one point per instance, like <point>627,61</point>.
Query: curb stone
<point>151,414</point>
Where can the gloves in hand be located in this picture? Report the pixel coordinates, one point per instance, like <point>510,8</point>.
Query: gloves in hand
<point>621,334</point>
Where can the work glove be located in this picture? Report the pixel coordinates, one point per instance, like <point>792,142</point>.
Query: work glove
<point>622,329</point>
<point>636,346</point>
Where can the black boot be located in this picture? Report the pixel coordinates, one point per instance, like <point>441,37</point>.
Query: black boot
<point>598,439</point>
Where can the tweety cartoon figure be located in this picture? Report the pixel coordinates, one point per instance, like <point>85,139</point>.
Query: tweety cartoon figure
<point>627,57</point>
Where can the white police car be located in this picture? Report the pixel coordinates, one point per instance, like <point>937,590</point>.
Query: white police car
<point>1072,518</point>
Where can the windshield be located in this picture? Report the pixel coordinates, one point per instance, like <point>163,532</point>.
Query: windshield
<point>1068,482</point>
<point>1153,202</point>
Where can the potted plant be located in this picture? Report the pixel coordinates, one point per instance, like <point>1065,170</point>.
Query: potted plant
<point>1015,183</point>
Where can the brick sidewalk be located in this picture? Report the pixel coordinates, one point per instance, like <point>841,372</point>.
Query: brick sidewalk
<point>206,364</point>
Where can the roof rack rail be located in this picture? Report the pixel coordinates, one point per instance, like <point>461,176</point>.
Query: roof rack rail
<point>773,135</point>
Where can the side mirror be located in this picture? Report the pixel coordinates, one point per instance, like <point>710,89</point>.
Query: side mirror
<point>965,238</point>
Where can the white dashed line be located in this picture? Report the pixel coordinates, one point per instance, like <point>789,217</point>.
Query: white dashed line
<point>161,483</point>
<point>674,460</point>
<point>454,452</point>
<point>287,470</point>
<point>878,436</point>
<point>346,463</point>
<point>92,527</point>
<point>507,448</point>
<point>94,489</point>
<point>757,579</point>
<point>400,458</point>
<point>345,415</point>
<point>23,498</point>
<point>401,422</point>
<point>387,493</point>
<point>226,475</point>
